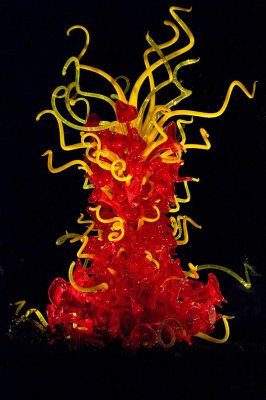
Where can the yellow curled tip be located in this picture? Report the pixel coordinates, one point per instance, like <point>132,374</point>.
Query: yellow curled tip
<point>46,153</point>
<point>175,8</point>
<point>38,116</point>
<point>192,222</point>
<point>87,39</point>
<point>95,208</point>
<point>75,27</point>
<point>20,304</point>
<point>192,273</point>
<point>41,113</point>
<point>215,340</point>
<point>149,257</point>
<point>101,286</point>
<point>254,89</point>
<point>72,59</point>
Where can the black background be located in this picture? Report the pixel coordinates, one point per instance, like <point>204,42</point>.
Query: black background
<point>37,207</point>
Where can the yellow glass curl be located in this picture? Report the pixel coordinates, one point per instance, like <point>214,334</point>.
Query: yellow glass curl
<point>133,99</point>
<point>177,227</point>
<point>118,167</point>
<point>192,273</point>
<point>247,268</point>
<point>82,164</point>
<point>95,288</point>
<point>169,114</point>
<point>178,200</point>
<point>41,323</point>
<point>118,224</point>
<point>87,35</point>
<point>215,340</point>
<point>148,219</point>
<point>149,257</point>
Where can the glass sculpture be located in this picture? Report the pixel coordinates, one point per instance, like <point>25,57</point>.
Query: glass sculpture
<point>127,284</point>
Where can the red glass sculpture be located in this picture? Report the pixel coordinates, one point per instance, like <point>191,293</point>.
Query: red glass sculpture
<point>127,284</point>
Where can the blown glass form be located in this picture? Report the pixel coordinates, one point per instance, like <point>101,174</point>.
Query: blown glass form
<point>127,284</point>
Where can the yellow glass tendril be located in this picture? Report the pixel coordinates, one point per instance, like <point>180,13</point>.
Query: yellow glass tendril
<point>247,268</point>
<point>95,288</point>
<point>215,340</point>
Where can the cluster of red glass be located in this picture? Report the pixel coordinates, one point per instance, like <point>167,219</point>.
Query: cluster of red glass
<point>147,302</point>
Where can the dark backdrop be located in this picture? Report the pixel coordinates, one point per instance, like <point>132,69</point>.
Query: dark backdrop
<point>37,207</point>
